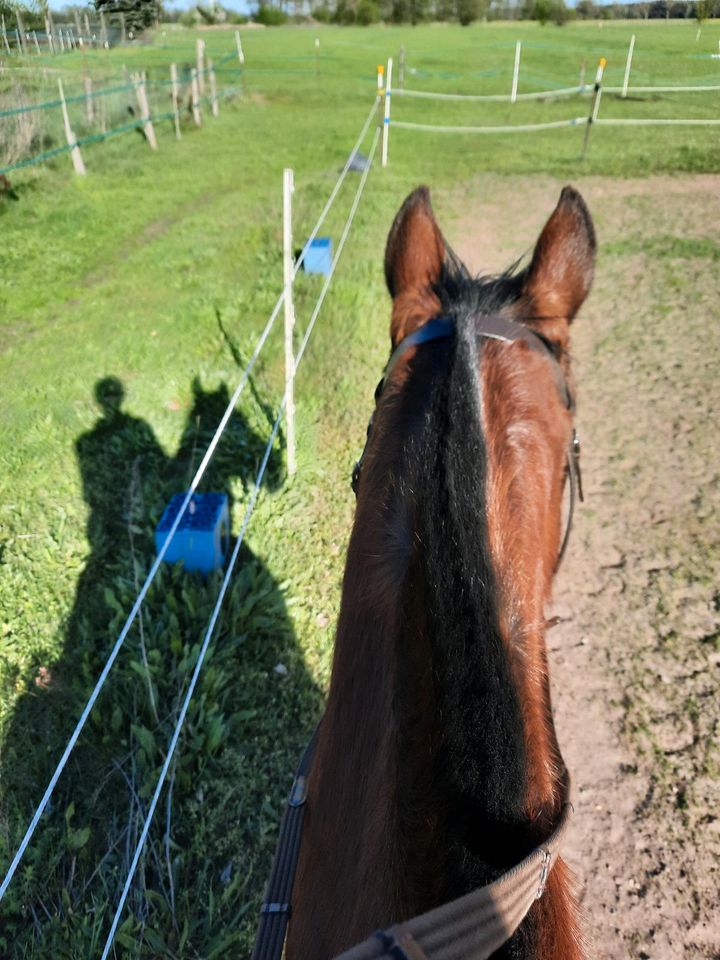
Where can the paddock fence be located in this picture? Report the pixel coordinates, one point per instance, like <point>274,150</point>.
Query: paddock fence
<point>283,409</point>
<point>47,112</point>
<point>572,94</point>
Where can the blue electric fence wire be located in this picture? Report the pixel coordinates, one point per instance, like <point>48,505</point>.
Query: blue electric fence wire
<point>176,523</point>
<point>231,566</point>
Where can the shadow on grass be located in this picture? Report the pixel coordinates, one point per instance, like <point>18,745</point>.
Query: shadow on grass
<point>211,844</point>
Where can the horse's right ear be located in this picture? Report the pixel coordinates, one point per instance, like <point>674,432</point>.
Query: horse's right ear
<point>413,263</point>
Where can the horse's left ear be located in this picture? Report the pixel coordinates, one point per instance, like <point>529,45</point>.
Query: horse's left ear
<point>414,258</point>
<point>561,272</point>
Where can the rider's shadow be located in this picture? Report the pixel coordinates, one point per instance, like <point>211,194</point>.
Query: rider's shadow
<point>255,685</point>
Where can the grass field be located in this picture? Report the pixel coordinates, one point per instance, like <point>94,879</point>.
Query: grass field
<point>127,300</point>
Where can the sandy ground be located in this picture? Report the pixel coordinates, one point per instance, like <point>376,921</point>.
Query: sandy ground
<point>636,659</point>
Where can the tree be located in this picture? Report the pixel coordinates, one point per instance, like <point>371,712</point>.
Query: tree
<point>138,14</point>
<point>467,11</point>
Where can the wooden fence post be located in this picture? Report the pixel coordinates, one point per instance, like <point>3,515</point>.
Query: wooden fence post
<point>123,33</point>
<point>200,55</point>
<point>75,154</point>
<point>195,94</point>
<point>214,106</point>
<point>288,190</point>
<point>20,32</point>
<point>89,111</point>
<point>175,99</point>
<point>4,35</point>
<point>141,94</point>
<point>103,31</point>
<point>88,35</point>
<point>37,45</point>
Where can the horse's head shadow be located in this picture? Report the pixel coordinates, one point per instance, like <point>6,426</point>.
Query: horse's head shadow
<point>241,447</point>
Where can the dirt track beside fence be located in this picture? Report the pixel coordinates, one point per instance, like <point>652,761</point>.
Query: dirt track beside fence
<point>636,659</point>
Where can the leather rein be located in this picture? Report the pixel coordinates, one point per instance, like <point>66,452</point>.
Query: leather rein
<point>477,924</point>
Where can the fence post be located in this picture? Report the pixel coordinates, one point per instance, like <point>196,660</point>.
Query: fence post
<point>288,189</point>
<point>62,41</point>
<point>37,45</point>
<point>175,91</point>
<point>141,94</point>
<point>20,32</point>
<point>583,67</point>
<point>628,65</point>
<point>386,118</point>
<point>70,136</point>
<point>516,72</point>
<point>200,53</point>
<point>88,35</point>
<point>123,34</point>
<point>195,98</point>
<point>241,55</point>
<point>401,68</point>
<point>103,31</point>
<point>89,111</point>
<point>214,106</point>
<point>595,107</point>
<point>4,34</point>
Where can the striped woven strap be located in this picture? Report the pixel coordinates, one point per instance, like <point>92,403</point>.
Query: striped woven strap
<point>472,927</point>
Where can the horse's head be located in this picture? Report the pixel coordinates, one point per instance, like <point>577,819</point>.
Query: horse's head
<point>524,385</point>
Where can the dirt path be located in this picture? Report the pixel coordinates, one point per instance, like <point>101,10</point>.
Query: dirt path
<point>636,661</point>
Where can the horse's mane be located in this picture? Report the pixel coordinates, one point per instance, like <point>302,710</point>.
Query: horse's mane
<point>480,756</point>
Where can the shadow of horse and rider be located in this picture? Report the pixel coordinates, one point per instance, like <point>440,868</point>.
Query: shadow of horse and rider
<point>127,479</point>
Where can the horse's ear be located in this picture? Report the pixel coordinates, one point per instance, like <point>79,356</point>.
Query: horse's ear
<point>413,263</point>
<point>561,272</point>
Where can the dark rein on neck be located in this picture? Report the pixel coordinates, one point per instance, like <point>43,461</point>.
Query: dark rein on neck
<point>490,327</point>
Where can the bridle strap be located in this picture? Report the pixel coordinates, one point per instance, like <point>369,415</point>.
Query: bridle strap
<point>275,911</point>
<point>491,327</point>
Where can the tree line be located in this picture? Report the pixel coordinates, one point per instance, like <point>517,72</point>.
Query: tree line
<point>139,14</point>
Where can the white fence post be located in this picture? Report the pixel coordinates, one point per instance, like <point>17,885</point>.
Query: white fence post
<point>70,136</point>
<point>288,189</point>
<point>386,118</point>
<point>516,72</point>
<point>628,65</point>
<point>241,55</point>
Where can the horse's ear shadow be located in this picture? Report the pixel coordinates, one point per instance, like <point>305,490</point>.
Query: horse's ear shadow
<point>414,258</point>
<point>561,271</point>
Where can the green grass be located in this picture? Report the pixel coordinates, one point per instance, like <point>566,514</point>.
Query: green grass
<point>158,269</point>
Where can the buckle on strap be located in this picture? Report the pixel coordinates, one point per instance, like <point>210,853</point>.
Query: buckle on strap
<point>400,944</point>
<point>298,793</point>
<point>275,908</point>
<point>544,872</point>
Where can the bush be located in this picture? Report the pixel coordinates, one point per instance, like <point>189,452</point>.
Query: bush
<point>368,12</point>
<point>321,14</point>
<point>270,16</point>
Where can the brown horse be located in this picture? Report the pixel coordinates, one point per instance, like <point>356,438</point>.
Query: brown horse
<point>436,767</point>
